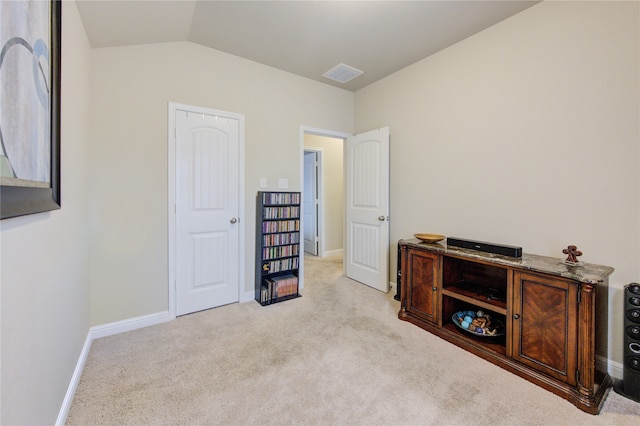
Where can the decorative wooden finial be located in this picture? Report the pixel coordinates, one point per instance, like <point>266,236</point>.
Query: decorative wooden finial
<point>572,253</point>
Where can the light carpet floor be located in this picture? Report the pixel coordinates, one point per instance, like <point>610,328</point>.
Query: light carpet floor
<point>338,355</point>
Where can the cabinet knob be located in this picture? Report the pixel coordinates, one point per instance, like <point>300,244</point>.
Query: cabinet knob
<point>381,218</point>
<point>516,316</point>
<point>233,220</point>
<point>434,288</point>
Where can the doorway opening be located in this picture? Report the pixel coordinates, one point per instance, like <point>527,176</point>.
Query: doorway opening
<point>323,192</point>
<point>364,216</point>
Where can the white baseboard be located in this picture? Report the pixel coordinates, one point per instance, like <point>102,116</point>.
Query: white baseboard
<point>614,368</point>
<point>247,296</point>
<point>96,333</point>
<point>328,253</point>
<point>129,324</point>
<point>75,379</point>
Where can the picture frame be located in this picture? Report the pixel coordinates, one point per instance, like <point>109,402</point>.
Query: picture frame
<point>32,183</point>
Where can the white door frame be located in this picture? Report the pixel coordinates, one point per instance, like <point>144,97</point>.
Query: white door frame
<point>320,198</point>
<point>171,190</point>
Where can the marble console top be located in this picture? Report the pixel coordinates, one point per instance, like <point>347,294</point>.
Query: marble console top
<point>585,272</point>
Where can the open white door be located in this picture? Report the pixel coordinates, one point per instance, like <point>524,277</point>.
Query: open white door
<point>310,202</point>
<point>367,208</point>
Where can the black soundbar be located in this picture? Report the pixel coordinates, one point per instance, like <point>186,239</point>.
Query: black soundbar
<point>505,250</point>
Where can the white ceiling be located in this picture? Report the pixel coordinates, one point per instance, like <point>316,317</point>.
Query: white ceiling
<point>306,38</point>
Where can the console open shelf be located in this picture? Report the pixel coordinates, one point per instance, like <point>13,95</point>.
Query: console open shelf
<point>480,296</point>
<point>492,344</point>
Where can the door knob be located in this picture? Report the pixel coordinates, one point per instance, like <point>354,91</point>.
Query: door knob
<point>233,220</point>
<point>381,218</point>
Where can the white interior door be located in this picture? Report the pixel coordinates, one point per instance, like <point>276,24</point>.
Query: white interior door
<point>310,202</point>
<point>367,208</point>
<point>207,211</point>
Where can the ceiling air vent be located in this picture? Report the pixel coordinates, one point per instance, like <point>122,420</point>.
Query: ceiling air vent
<point>342,73</point>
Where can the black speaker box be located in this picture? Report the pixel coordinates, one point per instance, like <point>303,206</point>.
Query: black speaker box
<point>502,249</point>
<point>630,386</point>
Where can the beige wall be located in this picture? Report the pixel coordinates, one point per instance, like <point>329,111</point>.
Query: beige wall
<point>128,157</point>
<point>333,188</point>
<point>525,134</point>
<point>44,274</point>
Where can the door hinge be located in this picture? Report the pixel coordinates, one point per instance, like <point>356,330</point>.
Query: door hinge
<point>579,296</point>
<point>577,376</point>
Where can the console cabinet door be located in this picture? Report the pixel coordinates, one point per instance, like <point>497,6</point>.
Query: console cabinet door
<point>422,278</point>
<point>545,324</point>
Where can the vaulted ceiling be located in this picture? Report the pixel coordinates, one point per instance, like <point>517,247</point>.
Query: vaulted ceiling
<point>306,38</point>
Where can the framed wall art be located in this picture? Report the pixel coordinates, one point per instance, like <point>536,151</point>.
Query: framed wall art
<point>30,42</point>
